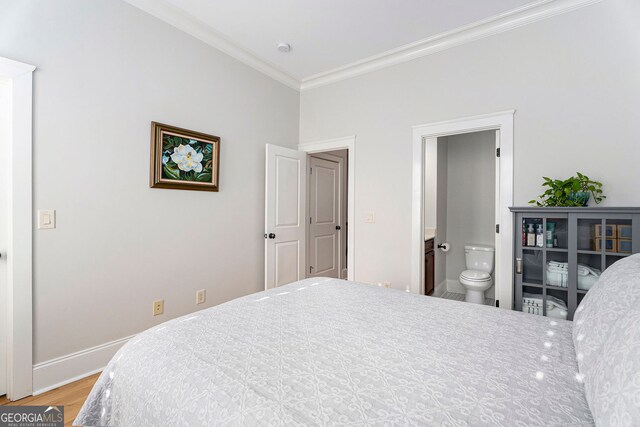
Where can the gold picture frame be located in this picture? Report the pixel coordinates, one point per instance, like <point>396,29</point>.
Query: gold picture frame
<point>183,159</point>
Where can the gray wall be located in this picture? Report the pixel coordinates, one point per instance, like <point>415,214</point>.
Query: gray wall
<point>573,79</point>
<point>105,71</point>
<point>442,186</point>
<point>430,184</point>
<point>470,195</point>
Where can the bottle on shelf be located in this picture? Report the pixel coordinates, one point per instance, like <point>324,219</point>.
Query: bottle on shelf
<point>551,231</point>
<point>531,236</point>
<point>539,236</point>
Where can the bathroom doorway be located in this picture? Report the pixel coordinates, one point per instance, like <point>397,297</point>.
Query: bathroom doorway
<point>502,124</point>
<point>460,214</point>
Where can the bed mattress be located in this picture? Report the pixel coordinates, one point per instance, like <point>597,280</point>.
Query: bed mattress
<point>333,352</point>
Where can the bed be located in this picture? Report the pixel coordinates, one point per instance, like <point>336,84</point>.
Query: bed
<point>333,352</point>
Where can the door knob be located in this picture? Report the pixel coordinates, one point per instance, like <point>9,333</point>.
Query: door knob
<point>337,227</point>
<point>272,236</point>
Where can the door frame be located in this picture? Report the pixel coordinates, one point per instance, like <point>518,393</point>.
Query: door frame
<point>503,123</point>
<point>344,143</point>
<point>340,162</point>
<point>19,257</point>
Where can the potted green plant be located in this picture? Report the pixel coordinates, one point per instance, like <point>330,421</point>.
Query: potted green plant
<point>574,191</point>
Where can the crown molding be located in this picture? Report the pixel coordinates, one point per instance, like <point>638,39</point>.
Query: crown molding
<point>527,14</point>
<point>533,12</point>
<point>198,29</point>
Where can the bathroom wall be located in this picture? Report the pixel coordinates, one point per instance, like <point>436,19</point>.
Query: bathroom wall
<point>430,178</point>
<point>435,203</point>
<point>441,211</point>
<point>470,197</point>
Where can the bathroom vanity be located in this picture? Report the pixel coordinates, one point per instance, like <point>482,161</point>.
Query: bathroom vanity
<point>553,272</point>
<point>429,271</point>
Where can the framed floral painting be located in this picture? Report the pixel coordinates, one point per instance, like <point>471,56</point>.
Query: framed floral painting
<point>183,159</point>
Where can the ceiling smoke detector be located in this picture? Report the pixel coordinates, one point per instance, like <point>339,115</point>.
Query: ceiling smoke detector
<point>284,47</point>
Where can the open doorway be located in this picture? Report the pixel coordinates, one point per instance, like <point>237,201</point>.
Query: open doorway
<point>345,148</point>
<point>460,194</point>
<point>327,228</point>
<point>501,123</point>
<point>287,214</point>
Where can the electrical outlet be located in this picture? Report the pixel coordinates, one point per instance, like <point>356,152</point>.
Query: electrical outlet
<point>200,296</point>
<point>158,307</point>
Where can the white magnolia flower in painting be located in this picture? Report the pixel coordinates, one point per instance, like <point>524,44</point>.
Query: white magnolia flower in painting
<point>187,158</point>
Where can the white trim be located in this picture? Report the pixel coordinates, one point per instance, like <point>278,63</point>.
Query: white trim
<point>176,17</point>
<point>440,288</point>
<point>503,122</point>
<point>533,12</point>
<point>348,143</point>
<point>11,69</point>
<point>63,370</point>
<point>19,257</point>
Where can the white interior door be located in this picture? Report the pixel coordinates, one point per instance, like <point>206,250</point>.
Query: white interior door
<point>4,225</point>
<point>497,279</point>
<point>324,214</point>
<point>285,216</point>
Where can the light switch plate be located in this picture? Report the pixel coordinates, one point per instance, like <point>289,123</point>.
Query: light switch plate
<point>46,218</point>
<point>370,217</point>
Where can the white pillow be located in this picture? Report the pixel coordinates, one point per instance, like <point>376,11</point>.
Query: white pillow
<point>606,303</point>
<point>612,385</point>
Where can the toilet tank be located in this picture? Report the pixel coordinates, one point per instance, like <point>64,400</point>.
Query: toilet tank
<point>479,257</point>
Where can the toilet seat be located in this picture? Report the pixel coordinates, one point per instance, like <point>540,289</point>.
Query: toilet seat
<point>475,276</point>
<point>475,282</point>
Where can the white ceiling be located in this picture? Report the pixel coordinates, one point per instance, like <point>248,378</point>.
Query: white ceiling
<point>327,34</point>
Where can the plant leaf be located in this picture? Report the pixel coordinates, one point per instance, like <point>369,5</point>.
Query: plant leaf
<point>171,173</point>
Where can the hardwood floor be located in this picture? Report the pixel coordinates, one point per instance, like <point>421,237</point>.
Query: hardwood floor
<point>72,396</point>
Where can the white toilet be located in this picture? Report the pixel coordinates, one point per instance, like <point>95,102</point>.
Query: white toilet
<point>477,278</point>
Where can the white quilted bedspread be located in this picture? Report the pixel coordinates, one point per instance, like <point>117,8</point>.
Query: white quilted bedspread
<point>332,352</point>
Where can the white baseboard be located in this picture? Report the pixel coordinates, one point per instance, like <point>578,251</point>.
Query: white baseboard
<point>455,286</point>
<point>440,288</point>
<point>63,370</point>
